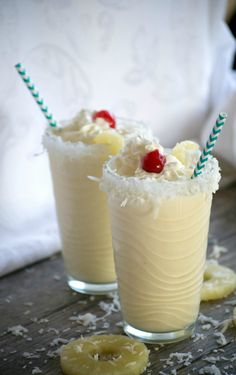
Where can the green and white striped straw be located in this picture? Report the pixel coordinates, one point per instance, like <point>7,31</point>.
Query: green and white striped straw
<point>35,94</point>
<point>210,144</point>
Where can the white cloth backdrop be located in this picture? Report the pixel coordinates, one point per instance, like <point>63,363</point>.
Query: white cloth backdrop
<point>165,62</point>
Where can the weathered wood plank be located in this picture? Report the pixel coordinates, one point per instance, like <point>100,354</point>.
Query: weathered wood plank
<point>44,285</point>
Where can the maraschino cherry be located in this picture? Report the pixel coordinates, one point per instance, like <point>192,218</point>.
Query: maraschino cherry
<point>153,162</point>
<point>105,115</point>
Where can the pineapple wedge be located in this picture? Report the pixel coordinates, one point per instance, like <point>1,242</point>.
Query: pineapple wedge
<point>182,151</point>
<point>113,140</point>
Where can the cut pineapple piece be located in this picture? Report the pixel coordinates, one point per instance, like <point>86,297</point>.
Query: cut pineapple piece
<point>182,150</point>
<point>219,281</point>
<point>234,316</point>
<point>104,355</point>
<point>113,140</point>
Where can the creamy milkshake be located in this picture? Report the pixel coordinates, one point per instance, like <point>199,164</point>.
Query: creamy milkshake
<point>160,219</point>
<point>77,151</point>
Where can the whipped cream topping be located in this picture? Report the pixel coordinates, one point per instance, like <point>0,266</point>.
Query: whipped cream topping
<point>129,161</point>
<point>82,128</point>
<point>124,178</point>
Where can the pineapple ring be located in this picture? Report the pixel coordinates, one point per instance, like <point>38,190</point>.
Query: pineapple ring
<point>111,139</point>
<point>219,281</point>
<point>104,355</point>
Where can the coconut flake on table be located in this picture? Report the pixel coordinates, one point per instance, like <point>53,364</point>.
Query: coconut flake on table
<point>206,326</point>
<point>40,321</point>
<point>221,338</point>
<point>51,329</point>
<point>119,324</point>
<point>36,370</point>
<point>18,330</point>
<point>109,308</point>
<point>56,277</point>
<point>29,355</point>
<point>86,320</point>
<point>217,251</point>
<point>211,370</point>
<point>181,358</point>
<point>54,353</point>
<point>198,336</point>
<point>40,350</point>
<point>207,319</point>
<point>212,359</point>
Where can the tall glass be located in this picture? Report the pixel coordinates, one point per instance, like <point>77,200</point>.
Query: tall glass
<point>160,251</point>
<point>82,211</point>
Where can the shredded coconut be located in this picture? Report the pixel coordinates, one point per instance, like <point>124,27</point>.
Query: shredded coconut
<point>119,324</point>
<point>198,336</point>
<point>40,350</point>
<point>221,340</point>
<point>18,330</point>
<point>217,251</point>
<point>136,191</point>
<point>56,277</point>
<point>206,327</point>
<point>130,364</point>
<point>54,353</point>
<point>40,321</point>
<point>211,370</point>
<point>181,358</point>
<point>207,319</point>
<point>87,319</point>
<point>30,355</point>
<point>212,359</point>
<point>109,308</point>
<point>51,329</point>
<point>36,370</point>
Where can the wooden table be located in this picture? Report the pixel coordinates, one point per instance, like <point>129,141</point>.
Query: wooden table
<point>38,299</point>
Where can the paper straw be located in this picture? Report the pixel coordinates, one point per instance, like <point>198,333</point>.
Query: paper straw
<point>210,144</point>
<point>35,94</point>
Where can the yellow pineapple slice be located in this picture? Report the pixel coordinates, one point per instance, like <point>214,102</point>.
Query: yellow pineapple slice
<point>219,281</point>
<point>113,140</point>
<point>104,355</point>
<point>182,150</point>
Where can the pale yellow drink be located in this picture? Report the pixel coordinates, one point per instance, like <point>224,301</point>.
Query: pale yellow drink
<point>76,161</point>
<point>159,231</point>
<point>82,211</point>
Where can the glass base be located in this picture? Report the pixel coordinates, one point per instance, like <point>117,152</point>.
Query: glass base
<point>158,337</point>
<point>91,288</point>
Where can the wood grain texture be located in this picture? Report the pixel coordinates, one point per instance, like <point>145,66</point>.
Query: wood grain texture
<point>39,299</point>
